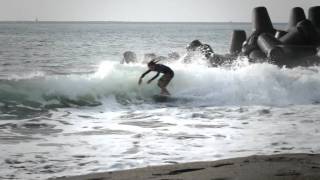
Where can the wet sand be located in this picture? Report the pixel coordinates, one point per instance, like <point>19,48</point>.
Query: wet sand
<point>272,167</point>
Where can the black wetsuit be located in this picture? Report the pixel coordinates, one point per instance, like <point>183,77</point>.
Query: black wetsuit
<point>160,68</point>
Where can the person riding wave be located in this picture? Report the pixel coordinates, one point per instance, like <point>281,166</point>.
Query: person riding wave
<point>164,80</point>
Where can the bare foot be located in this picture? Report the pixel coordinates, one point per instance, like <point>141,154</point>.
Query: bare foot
<point>166,93</point>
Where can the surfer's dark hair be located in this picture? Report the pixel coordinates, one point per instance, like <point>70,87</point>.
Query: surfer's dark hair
<point>153,62</point>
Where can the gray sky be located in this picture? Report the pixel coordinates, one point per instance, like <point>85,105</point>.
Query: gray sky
<point>146,10</point>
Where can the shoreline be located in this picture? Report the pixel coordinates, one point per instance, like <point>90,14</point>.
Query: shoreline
<point>258,167</point>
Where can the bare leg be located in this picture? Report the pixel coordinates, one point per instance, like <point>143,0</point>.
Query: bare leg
<point>161,92</point>
<point>162,83</point>
<point>164,91</point>
<point>167,92</point>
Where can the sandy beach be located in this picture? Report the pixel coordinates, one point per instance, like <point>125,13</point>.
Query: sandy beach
<point>266,167</point>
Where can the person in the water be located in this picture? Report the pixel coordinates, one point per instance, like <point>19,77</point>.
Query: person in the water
<point>164,80</point>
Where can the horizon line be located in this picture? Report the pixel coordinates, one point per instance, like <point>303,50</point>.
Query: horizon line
<point>146,22</point>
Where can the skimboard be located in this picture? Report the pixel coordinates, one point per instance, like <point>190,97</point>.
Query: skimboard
<point>163,98</point>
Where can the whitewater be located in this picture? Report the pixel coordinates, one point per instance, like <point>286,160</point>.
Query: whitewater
<point>68,107</point>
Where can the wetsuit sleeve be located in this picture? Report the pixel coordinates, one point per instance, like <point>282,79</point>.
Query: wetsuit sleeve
<point>145,73</point>
<point>154,77</point>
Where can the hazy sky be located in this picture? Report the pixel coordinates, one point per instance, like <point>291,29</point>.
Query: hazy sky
<point>146,10</point>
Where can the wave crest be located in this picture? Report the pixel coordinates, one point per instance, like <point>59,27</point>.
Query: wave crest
<point>241,84</point>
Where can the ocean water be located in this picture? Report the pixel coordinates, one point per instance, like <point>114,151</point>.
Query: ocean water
<point>68,107</point>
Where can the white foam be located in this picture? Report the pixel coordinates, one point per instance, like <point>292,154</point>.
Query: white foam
<point>242,84</point>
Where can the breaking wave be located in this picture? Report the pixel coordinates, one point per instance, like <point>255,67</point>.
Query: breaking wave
<point>241,84</point>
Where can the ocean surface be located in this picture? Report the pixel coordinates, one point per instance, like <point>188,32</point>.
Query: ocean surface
<point>68,107</point>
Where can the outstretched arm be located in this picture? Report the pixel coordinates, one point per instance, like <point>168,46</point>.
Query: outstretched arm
<point>141,77</point>
<point>153,78</point>
<point>145,73</point>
